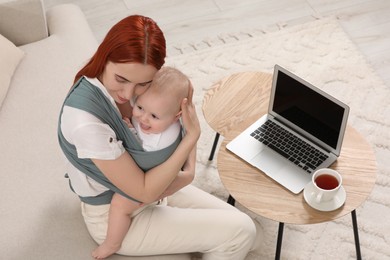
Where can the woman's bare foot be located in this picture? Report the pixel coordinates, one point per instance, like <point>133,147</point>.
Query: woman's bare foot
<point>104,250</point>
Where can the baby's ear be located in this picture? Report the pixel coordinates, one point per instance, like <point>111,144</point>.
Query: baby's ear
<point>178,115</point>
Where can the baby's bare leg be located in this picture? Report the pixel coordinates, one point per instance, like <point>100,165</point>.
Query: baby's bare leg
<point>118,225</point>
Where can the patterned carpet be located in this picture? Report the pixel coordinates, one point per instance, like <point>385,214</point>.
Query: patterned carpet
<point>320,52</point>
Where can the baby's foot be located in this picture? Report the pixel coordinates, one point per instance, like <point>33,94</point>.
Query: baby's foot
<point>104,250</point>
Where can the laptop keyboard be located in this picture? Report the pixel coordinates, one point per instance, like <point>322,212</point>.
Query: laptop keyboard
<point>290,146</point>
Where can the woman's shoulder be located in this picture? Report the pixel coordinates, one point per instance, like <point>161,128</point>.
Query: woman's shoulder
<point>90,135</point>
<point>88,89</point>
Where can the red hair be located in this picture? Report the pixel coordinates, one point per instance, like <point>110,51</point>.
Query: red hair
<point>135,39</point>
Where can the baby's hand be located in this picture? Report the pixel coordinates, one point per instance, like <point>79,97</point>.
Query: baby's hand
<point>128,122</point>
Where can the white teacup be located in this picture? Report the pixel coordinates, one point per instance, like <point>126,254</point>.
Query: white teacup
<point>326,183</point>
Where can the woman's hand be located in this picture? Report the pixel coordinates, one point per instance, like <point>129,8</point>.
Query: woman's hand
<point>128,122</point>
<point>189,116</point>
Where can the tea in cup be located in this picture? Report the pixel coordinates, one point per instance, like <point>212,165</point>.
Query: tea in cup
<point>326,183</point>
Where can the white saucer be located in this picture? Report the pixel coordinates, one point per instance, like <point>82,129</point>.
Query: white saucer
<point>333,204</point>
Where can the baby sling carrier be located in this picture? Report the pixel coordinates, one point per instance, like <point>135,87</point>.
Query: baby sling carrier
<point>91,99</point>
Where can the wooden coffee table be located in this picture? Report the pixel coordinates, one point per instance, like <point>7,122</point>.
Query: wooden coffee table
<point>225,106</point>
<point>234,103</point>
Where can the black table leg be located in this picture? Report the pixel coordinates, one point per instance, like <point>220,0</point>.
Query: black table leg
<point>356,235</point>
<point>279,242</point>
<point>231,200</point>
<point>214,146</point>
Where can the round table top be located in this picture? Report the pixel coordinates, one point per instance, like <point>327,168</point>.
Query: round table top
<point>246,98</point>
<point>224,103</point>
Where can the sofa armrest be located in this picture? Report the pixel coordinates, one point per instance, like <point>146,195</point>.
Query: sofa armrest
<point>67,20</point>
<point>23,21</point>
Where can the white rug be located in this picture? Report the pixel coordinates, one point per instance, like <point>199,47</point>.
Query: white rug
<point>321,53</point>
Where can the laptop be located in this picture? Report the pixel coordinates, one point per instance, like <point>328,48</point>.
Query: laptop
<point>302,132</point>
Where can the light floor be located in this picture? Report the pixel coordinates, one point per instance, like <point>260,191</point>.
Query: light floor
<point>367,22</point>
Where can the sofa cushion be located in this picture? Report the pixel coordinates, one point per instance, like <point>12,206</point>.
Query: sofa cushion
<point>10,57</point>
<point>23,21</point>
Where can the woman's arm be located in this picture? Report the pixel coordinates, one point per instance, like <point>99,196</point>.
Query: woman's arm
<point>185,176</point>
<point>147,187</point>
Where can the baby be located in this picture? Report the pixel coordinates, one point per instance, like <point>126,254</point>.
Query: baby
<point>155,121</point>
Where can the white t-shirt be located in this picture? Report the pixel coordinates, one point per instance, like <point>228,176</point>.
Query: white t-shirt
<point>94,139</point>
<point>154,142</point>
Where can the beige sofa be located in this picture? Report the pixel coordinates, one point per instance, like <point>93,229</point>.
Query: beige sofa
<point>40,217</point>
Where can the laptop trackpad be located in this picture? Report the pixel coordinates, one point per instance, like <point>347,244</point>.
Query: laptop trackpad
<point>268,161</point>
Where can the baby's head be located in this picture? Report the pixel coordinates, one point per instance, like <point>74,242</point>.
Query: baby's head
<point>171,83</point>
<point>159,106</point>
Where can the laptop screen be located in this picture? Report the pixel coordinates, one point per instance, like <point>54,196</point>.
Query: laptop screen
<point>308,109</point>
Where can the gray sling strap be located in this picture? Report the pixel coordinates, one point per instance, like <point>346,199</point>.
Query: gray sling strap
<point>91,99</point>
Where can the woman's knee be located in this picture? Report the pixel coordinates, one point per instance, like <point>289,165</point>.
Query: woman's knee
<point>247,226</point>
<point>237,241</point>
<point>240,228</point>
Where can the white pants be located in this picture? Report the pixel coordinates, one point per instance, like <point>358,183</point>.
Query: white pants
<point>189,221</point>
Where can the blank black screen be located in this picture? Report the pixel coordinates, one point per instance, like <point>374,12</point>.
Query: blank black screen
<point>308,109</point>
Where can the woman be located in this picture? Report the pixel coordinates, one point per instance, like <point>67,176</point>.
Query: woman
<point>105,158</point>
